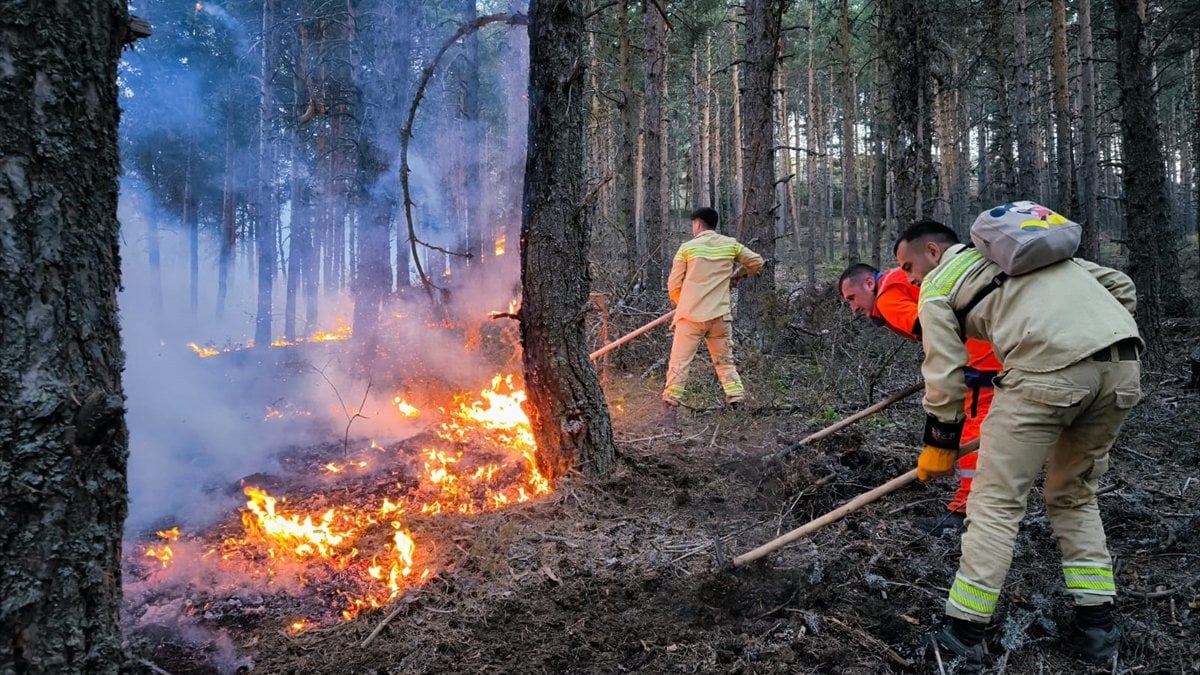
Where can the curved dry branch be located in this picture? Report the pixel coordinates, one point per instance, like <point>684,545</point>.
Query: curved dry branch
<point>406,133</point>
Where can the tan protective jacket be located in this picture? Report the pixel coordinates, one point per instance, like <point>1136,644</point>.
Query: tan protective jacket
<point>1038,322</point>
<point>700,272</point>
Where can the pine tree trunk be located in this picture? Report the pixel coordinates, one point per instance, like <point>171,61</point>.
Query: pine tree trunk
<point>710,195</point>
<point>626,171</point>
<point>62,416</point>
<point>877,197</point>
<point>763,26</point>
<point>739,151</point>
<point>1151,244</point>
<point>267,209</point>
<point>654,132</point>
<point>472,141</point>
<point>566,405</point>
<point>810,150</point>
<point>1064,197</point>
<point>228,211</point>
<point>1026,179</point>
<point>1089,177</point>
<point>695,147</point>
<point>849,137</point>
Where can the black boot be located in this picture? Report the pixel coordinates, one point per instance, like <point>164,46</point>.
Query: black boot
<point>958,646</point>
<point>1096,632</point>
<point>940,526</point>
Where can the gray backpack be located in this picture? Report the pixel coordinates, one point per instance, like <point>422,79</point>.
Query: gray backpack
<point>1023,236</point>
<point>1020,237</point>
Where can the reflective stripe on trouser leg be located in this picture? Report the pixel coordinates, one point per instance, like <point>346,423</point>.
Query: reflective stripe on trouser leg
<point>974,599</point>
<point>1086,578</point>
<point>1018,435</point>
<point>688,335</point>
<point>720,348</point>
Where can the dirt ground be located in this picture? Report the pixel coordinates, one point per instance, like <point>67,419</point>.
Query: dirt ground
<point>630,574</point>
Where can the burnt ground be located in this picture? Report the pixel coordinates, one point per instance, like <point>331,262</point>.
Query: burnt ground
<point>629,573</point>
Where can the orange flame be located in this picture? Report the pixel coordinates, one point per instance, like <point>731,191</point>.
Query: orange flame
<point>405,408</point>
<point>500,242</point>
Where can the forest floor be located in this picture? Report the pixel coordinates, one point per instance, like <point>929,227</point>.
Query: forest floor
<point>629,574</point>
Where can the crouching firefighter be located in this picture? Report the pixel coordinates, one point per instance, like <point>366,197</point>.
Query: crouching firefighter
<point>1067,337</point>
<point>887,299</point>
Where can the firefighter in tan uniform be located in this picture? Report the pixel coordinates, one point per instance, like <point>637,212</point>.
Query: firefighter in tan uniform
<point>1069,344</point>
<point>699,288</point>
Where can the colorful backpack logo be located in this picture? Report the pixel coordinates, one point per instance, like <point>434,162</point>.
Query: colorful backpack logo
<point>1023,236</point>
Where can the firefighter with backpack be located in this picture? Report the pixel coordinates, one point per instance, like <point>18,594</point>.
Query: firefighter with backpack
<point>1064,329</point>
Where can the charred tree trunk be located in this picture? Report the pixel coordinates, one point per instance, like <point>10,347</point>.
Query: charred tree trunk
<point>62,416</point>
<point>654,131</point>
<point>566,406</point>
<point>763,27</point>
<point>908,46</point>
<point>1151,244</point>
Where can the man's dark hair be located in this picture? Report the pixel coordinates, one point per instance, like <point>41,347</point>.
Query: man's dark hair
<point>927,229</point>
<point>856,272</point>
<point>708,215</point>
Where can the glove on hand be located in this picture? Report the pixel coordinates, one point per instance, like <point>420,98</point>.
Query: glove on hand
<point>935,462</point>
<point>941,448</point>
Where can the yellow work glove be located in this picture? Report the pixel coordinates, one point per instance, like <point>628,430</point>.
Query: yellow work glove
<point>941,448</point>
<point>935,462</point>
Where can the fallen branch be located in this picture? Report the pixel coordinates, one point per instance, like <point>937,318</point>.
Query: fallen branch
<point>1150,595</point>
<point>871,641</point>
<point>383,624</point>
<point>838,513</point>
<point>838,426</point>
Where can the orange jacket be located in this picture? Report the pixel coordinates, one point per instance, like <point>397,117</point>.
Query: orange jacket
<point>896,309</point>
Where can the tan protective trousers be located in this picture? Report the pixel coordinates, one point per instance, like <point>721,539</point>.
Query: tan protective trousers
<point>1066,421</point>
<point>688,335</point>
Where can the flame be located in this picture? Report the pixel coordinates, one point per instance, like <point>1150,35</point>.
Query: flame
<point>288,533</point>
<point>341,331</point>
<point>500,242</point>
<point>483,457</point>
<point>405,408</point>
<point>203,352</point>
<point>199,6</point>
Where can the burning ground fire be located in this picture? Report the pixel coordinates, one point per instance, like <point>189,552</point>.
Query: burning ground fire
<point>359,550</point>
<point>340,332</point>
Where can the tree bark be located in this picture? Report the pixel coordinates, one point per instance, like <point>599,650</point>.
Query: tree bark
<point>763,28</point>
<point>267,210</point>
<point>626,172</point>
<point>566,406</point>
<point>64,444</point>
<point>472,140</point>
<point>696,191</point>
<point>1064,197</point>
<point>739,151</point>
<point>228,210</point>
<point>1151,244</point>
<point>654,132</point>
<point>810,152</point>
<point>1022,115</point>
<point>1089,173</point>
<point>849,137</point>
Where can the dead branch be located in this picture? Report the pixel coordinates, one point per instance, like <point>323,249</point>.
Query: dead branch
<point>838,426</point>
<point>406,134</point>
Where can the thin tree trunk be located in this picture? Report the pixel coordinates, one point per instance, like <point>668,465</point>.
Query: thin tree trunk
<point>739,151</point>
<point>879,168</point>
<point>1027,182</point>
<point>695,147</point>
<point>1064,197</point>
<point>849,137</point>
<point>267,210</point>
<point>62,414</point>
<point>810,149</point>
<point>626,171</point>
<point>228,211</point>
<point>566,406</point>
<point>710,195</point>
<point>654,133</point>
<point>472,141</point>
